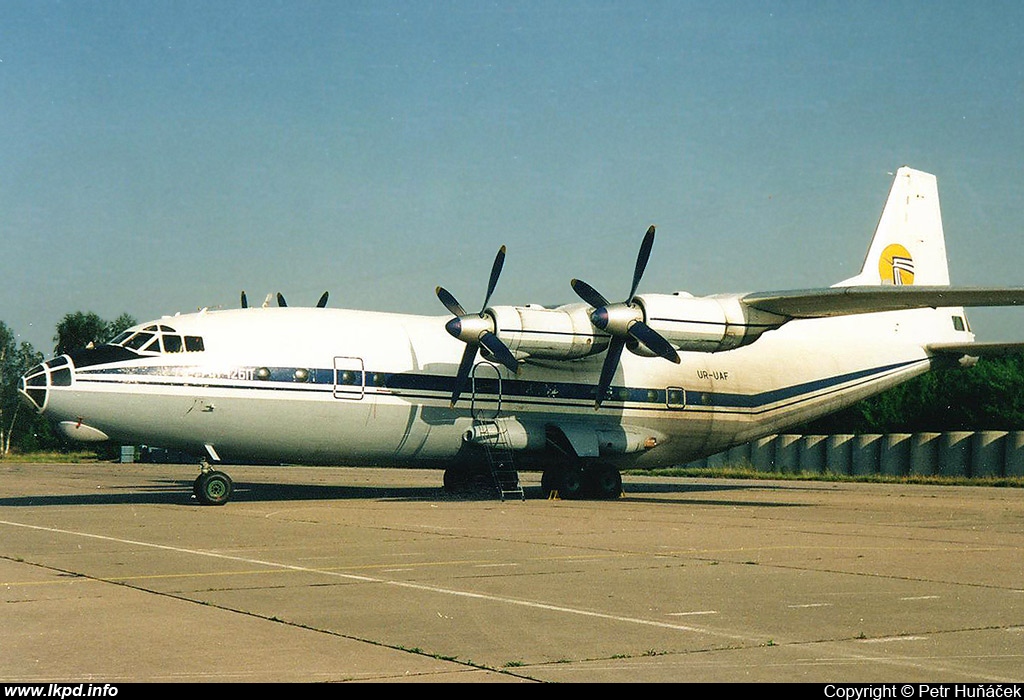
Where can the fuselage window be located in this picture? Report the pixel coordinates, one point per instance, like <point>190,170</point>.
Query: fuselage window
<point>675,397</point>
<point>958,323</point>
<point>351,377</point>
<point>193,343</point>
<point>172,343</point>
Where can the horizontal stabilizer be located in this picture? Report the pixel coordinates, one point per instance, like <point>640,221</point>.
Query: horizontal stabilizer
<point>977,349</point>
<point>844,301</point>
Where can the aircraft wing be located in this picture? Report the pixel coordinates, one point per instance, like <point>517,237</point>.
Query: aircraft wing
<point>977,349</point>
<point>844,301</point>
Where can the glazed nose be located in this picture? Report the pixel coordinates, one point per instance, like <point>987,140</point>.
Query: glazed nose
<point>35,384</point>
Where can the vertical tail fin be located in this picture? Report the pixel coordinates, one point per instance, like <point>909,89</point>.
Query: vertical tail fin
<point>909,246</point>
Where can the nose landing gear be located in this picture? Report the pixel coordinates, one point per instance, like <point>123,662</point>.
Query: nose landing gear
<point>212,488</point>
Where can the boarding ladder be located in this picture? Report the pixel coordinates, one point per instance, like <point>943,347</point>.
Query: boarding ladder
<point>499,459</point>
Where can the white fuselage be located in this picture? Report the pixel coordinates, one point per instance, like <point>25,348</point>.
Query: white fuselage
<point>332,386</point>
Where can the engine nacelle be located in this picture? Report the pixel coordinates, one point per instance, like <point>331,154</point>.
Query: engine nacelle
<point>563,333</point>
<point>586,441</point>
<point>704,324</point>
<point>507,432</point>
<point>690,324</point>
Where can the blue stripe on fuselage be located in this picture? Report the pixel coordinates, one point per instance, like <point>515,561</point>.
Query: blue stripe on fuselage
<point>427,385</point>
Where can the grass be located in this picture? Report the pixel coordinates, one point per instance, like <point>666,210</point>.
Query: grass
<point>51,458</point>
<point>747,472</point>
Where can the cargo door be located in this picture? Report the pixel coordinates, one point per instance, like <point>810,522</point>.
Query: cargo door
<point>486,403</point>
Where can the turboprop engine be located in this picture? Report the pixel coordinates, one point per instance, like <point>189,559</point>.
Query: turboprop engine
<point>654,325</point>
<point>688,323</point>
<point>704,324</point>
<point>562,333</point>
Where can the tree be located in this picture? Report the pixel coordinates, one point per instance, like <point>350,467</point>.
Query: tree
<point>119,325</point>
<point>79,330</point>
<point>15,360</point>
<point>987,396</point>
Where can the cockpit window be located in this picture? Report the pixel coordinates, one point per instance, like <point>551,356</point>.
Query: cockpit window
<point>137,341</point>
<point>155,339</point>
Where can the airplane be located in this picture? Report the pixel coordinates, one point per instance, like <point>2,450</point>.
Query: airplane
<point>579,391</point>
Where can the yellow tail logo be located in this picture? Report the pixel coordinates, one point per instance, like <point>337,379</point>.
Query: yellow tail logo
<point>896,266</point>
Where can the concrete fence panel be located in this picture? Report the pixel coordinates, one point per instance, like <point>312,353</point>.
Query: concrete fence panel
<point>954,454</point>
<point>864,454</point>
<point>837,454</point>
<point>924,453</point>
<point>988,453</point>
<point>894,454</point>
<point>812,454</point>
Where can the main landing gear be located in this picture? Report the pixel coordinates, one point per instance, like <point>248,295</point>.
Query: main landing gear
<point>580,480</point>
<point>211,487</point>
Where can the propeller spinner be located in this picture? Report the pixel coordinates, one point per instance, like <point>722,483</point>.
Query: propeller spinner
<point>476,330</point>
<point>623,321</point>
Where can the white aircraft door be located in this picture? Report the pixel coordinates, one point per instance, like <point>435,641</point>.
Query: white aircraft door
<point>349,378</point>
<point>486,402</point>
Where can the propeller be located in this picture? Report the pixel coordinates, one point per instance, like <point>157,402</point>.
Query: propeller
<point>281,300</point>
<point>476,330</point>
<point>623,321</point>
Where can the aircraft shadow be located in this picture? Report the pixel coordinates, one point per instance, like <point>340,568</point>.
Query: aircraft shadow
<point>179,492</point>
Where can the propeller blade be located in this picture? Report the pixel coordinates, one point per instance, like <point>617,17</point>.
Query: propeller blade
<point>463,374</point>
<point>624,321</point>
<point>245,301</point>
<point>641,262</point>
<point>477,330</point>
<point>499,262</point>
<point>450,302</point>
<point>499,351</point>
<point>611,363</point>
<point>588,294</point>
<point>280,300</point>
<point>653,340</point>
<point>323,301</point>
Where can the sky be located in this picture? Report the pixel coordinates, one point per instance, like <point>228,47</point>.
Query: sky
<point>163,156</point>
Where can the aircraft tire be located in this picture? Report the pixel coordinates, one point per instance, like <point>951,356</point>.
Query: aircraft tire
<point>549,482</point>
<point>213,488</point>
<point>456,480</point>
<point>571,482</point>
<point>604,482</point>
<point>467,481</point>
